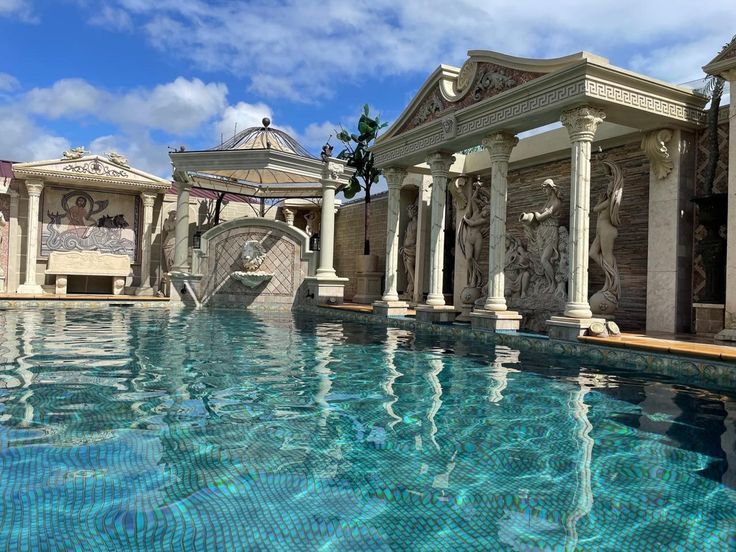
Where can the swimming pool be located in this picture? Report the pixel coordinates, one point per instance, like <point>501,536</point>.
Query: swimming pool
<point>136,429</point>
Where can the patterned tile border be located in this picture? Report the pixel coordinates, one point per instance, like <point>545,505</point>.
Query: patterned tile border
<point>704,371</point>
<point>86,304</point>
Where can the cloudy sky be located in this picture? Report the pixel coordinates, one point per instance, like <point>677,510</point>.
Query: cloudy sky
<point>140,76</point>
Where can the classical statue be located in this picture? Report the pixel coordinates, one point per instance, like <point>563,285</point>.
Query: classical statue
<point>472,229</point>
<point>312,218</point>
<point>542,228</point>
<point>118,159</point>
<point>606,299</point>
<point>409,250</point>
<point>74,153</point>
<point>169,239</point>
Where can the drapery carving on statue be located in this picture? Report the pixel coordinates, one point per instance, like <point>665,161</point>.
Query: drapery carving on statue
<point>472,230</point>
<point>457,189</point>
<point>409,250</point>
<point>536,270</point>
<point>488,79</point>
<point>606,299</point>
<point>169,239</point>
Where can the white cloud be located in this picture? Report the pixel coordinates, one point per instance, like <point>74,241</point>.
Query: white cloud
<point>22,140</point>
<point>8,83</point>
<point>302,50</point>
<point>112,18</point>
<point>239,117</point>
<point>21,10</point>
<point>142,151</point>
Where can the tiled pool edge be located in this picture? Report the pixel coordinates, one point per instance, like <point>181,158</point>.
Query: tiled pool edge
<point>707,371</point>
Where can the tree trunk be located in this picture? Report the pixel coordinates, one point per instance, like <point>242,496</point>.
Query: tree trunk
<point>218,207</point>
<point>713,149</point>
<point>366,221</point>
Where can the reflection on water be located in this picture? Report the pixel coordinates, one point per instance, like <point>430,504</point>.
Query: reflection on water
<point>126,429</point>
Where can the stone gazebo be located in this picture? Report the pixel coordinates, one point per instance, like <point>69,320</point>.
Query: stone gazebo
<point>489,101</point>
<point>268,165</point>
<point>89,224</point>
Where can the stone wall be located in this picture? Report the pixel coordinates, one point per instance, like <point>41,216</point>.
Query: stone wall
<point>349,237</point>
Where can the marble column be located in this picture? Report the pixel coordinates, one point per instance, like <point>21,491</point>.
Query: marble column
<point>147,200</point>
<point>729,331</point>
<point>581,123</point>
<point>34,188</point>
<point>439,164</point>
<point>330,175</point>
<point>394,178</point>
<point>499,147</point>
<point>181,235</point>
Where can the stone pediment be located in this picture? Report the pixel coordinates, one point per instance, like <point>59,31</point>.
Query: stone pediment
<point>725,60</point>
<point>93,169</point>
<point>483,75</point>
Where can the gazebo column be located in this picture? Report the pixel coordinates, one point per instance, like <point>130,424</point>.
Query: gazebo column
<point>181,234</point>
<point>389,305</point>
<point>494,314</point>
<point>581,123</point>
<point>147,200</point>
<point>34,188</point>
<point>729,331</point>
<point>435,310</point>
<point>326,286</point>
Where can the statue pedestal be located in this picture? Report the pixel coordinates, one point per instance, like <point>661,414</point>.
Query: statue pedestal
<point>390,308</point>
<point>368,287</point>
<point>569,329</point>
<point>482,319</point>
<point>436,314</point>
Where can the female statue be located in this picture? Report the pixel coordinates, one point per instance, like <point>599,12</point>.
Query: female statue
<point>473,228</point>
<point>169,236</point>
<point>409,250</point>
<point>606,228</point>
<point>544,225</point>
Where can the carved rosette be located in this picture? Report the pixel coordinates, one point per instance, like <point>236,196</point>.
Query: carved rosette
<point>465,78</point>
<point>500,145</point>
<point>394,177</point>
<point>582,122</point>
<point>654,145</point>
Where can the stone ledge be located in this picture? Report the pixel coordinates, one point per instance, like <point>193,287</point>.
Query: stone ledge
<point>482,319</point>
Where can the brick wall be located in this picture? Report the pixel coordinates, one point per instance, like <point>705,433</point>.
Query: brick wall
<point>349,237</point>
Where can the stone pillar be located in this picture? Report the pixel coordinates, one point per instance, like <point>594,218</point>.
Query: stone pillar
<point>12,279</point>
<point>181,234</point>
<point>729,331</point>
<point>581,123</point>
<point>326,286</point>
<point>147,200</point>
<point>34,188</point>
<point>389,303</point>
<point>494,314</point>
<point>435,310</point>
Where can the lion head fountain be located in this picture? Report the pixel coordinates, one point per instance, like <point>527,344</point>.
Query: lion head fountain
<point>252,255</point>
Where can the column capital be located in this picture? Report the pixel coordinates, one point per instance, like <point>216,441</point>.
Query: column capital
<point>182,180</point>
<point>332,170</point>
<point>582,122</point>
<point>499,145</point>
<point>34,187</point>
<point>440,162</point>
<point>148,199</point>
<point>394,177</point>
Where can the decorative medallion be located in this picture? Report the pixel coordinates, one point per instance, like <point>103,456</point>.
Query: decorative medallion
<point>94,168</point>
<point>465,78</point>
<point>449,126</point>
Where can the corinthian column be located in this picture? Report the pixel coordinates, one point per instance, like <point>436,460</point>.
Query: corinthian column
<point>499,147</point>
<point>147,200</point>
<point>439,164</point>
<point>581,123</point>
<point>330,174</point>
<point>34,188</point>
<point>394,177</point>
<point>181,235</point>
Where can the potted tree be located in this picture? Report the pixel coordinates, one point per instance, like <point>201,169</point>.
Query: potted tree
<point>358,155</point>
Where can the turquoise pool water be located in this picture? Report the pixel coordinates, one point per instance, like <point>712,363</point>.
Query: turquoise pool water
<point>129,429</point>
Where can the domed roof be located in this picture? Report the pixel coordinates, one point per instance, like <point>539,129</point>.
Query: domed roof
<point>264,137</point>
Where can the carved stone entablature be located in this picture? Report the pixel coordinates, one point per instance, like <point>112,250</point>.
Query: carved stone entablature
<point>476,82</point>
<point>95,168</point>
<point>654,145</point>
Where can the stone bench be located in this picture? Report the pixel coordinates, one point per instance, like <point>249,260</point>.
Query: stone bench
<point>63,264</point>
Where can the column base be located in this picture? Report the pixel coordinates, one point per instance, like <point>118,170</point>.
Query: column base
<point>482,319</point>
<point>569,329</point>
<point>367,287</point>
<point>436,314</point>
<point>30,289</point>
<point>390,308</point>
<point>325,291</point>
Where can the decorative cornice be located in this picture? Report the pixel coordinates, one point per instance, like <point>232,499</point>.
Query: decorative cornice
<point>582,122</point>
<point>500,145</point>
<point>654,145</point>
<point>394,177</point>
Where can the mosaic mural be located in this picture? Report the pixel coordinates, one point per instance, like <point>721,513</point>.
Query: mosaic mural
<point>81,220</point>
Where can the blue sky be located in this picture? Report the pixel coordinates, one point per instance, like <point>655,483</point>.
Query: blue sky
<point>138,76</point>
